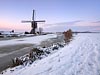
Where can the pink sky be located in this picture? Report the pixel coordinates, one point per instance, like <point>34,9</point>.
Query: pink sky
<point>5,25</point>
<point>12,12</point>
<point>10,25</point>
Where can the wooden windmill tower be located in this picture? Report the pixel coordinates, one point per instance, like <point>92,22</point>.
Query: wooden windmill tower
<point>33,23</point>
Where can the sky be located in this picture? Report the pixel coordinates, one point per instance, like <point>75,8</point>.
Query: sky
<point>59,14</point>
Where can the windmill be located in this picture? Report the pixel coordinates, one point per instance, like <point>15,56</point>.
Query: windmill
<point>33,23</point>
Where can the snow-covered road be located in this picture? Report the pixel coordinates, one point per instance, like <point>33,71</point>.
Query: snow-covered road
<point>80,57</point>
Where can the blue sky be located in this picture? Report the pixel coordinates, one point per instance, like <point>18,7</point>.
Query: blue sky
<point>53,11</point>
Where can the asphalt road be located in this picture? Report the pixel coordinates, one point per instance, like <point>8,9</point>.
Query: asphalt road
<point>7,53</point>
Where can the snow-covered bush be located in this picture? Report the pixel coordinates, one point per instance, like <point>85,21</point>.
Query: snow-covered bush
<point>36,54</point>
<point>16,62</point>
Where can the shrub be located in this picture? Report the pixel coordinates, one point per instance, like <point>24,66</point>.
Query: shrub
<point>55,48</point>
<point>68,35</point>
<point>16,62</point>
<point>35,54</point>
<point>47,52</point>
<point>60,45</point>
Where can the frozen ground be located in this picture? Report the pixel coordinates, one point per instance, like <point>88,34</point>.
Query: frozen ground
<point>80,57</point>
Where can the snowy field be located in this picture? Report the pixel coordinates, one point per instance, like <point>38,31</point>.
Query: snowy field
<point>80,57</point>
<point>27,40</point>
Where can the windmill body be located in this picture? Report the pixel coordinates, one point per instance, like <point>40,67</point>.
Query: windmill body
<point>33,24</point>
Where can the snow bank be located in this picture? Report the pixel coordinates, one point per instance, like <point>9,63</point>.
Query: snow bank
<point>80,57</point>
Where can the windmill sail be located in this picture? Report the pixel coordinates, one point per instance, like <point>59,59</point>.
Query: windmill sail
<point>33,23</point>
<point>33,15</point>
<point>26,21</point>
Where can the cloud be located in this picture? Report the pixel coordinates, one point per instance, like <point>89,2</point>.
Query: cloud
<point>96,22</point>
<point>78,25</point>
<point>74,23</point>
<point>65,23</point>
<point>86,23</point>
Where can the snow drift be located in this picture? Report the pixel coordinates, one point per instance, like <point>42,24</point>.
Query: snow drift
<point>80,57</point>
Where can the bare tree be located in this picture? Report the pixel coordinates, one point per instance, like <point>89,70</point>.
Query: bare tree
<point>40,30</point>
